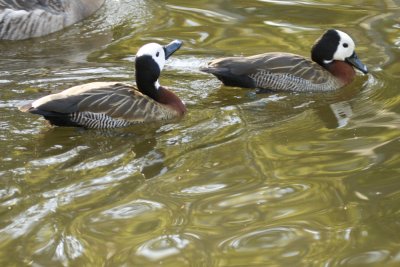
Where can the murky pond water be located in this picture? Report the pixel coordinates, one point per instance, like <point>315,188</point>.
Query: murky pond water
<point>243,180</point>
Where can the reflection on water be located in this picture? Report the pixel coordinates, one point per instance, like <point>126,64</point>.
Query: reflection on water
<point>245,179</point>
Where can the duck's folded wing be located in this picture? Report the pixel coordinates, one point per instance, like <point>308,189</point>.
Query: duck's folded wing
<point>290,64</point>
<point>33,18</point>
<point>22,5</point>
<point>270,63</point>
<point>25,19</point>
<point>117,100</point>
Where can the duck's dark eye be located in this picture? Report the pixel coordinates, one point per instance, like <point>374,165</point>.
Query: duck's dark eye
<point>158,53</point>
<point>345,45</point>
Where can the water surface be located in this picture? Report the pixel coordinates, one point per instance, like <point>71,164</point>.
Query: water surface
<point>245,179</point>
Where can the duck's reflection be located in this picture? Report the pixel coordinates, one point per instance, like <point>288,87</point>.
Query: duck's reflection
<point>78,149</point>
<point>335,115</point>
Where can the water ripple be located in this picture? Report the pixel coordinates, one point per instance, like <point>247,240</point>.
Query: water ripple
<point>244,179</point>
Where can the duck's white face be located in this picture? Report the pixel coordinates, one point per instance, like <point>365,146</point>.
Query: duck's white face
<point>345,47</point>
<point>335,45</point>
<point>154,50</point>
<point>149,62</point>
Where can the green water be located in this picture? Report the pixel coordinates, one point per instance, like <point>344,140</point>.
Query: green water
<point>243,180</point>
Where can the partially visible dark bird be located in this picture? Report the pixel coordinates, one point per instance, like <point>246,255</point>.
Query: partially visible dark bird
<point>23,19</point>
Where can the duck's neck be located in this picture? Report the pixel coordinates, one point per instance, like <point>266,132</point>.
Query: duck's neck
<point>147,85</point>
<point>167,97</point>
<point>342,71</point>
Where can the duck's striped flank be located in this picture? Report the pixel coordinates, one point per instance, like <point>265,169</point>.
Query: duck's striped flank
<point>288,82</point>
<point>97,120</point>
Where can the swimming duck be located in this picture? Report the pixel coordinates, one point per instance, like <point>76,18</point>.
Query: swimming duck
<point>333,58</point>
<point>23,19</point>
<point>115,104</point>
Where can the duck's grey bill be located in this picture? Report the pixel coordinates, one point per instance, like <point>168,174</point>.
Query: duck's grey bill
<point>172,47</point>
<point>353,60</point>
